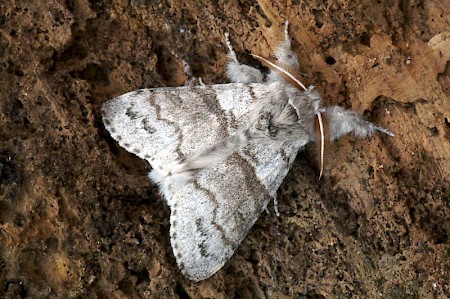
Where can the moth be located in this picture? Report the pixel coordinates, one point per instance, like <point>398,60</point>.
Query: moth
<point>220,152</point>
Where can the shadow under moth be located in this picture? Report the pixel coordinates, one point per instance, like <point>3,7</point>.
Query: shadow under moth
<point>220,152</point>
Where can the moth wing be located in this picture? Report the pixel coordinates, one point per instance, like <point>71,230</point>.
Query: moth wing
<point>162,125</point>
<point>212,214</point>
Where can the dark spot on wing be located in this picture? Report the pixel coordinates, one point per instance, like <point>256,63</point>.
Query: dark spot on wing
<point>202,248</point>
<point>148,127</point>
<point>131,114</point>
<point>214,201</point>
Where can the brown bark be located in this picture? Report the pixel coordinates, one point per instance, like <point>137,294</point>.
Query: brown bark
<point>79,218</point>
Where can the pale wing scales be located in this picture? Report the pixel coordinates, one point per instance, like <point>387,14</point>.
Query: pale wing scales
<point>211,215</point>
<point>134,123</point>
<point>162,125</point>
<point>272,165</point>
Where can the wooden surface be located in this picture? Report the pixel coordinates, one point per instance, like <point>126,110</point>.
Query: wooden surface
<point>79,218</point>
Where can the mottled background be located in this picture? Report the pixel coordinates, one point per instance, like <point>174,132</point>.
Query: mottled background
<point>79,219</point>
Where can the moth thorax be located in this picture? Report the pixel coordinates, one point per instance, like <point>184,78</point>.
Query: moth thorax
<point>265,124</point>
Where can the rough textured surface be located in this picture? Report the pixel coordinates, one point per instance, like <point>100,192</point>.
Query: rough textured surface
<point>79,218</point>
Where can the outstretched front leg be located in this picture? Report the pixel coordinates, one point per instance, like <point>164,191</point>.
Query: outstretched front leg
<point>284,53</point>
<point>238,72</point>
<point>286,58</point>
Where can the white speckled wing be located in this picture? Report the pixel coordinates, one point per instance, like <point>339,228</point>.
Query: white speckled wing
<point>162,125</point>
<point>211,214</point>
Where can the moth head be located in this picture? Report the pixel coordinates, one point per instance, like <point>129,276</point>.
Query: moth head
<point>321,128</point>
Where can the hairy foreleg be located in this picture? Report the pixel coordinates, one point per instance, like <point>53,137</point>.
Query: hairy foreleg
<point>238,72</point>
<point>284,53</point>
<point>285,57</point>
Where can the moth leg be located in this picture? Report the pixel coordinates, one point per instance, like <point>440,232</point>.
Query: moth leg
<point>342,122</point>
<point>238,72</point>
<point>275,205</point>
<point>285,56</point>
<point>191,80</point>
<point>284,53</point>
